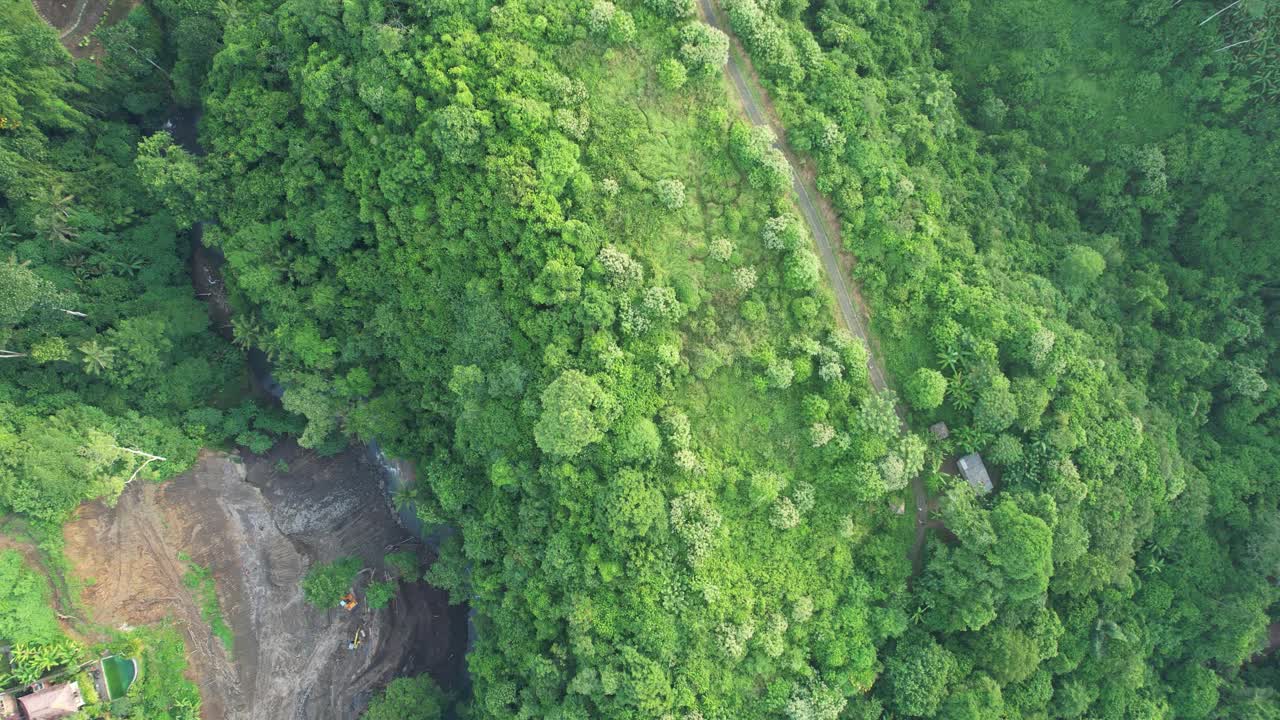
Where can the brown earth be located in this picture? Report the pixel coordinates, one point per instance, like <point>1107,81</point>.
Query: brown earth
<point>76,19</point>
<point>259,529</point>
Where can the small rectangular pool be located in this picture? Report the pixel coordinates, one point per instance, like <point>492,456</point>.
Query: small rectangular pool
<point>119,673</point>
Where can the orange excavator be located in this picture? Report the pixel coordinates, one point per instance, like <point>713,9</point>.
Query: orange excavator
<point>348,602</point>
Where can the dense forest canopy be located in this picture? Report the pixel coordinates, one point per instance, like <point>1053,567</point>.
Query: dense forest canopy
<point>531,246</point>
<point>615,368</point>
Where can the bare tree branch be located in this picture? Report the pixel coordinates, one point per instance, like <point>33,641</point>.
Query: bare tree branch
<point>139,452</point>
<point>153,63</point>
<point>134,476</point>
<point>1237,2</point>
<point>1242,42</point>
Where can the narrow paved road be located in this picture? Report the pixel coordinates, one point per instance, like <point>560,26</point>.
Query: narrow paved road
<point>853,313</point>
<point>753,99</point>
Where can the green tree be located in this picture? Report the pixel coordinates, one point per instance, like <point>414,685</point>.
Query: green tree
<point>171,176</point>
<point>457,133</point>
<point>379,593</point>
<point>1081,266</point>
<point>407,565</point>
<point>670,193</point>
<point>326,583</point>
<point>21,290</point>
<point>638,440</point>
<point>926,389</point>
<point>576,412</point>
<point>672,74</point>
<point>1022,550</point>
<point>1195,691</point>
<point>703,49</point>
<point>917,675</point>
<point>407,698</point>
<point>631,506</point>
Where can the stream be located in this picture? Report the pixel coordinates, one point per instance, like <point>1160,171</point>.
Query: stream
<point>206,278</point>
<point>207,281</point>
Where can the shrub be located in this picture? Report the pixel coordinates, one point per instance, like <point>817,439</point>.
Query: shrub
<point>326,583</point>
<point>672,74</point>
<point>670,193</point>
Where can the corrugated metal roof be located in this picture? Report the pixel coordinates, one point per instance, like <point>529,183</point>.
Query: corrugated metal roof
<point>975,472</point>
<point>56,701</point>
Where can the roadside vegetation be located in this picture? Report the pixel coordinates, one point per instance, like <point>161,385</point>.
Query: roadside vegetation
<point>576,292</point>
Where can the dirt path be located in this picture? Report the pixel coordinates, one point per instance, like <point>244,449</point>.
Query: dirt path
<point>76,19</point>
<point>819,216</point>
<point>259,528</point>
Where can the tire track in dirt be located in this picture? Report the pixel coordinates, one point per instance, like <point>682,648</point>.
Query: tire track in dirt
<point>81,6</point>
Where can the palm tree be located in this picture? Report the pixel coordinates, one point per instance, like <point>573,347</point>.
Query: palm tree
<point>8,231</point>
<point>1105,630</point>
<point>97,358</point>
<point>132,265</point>
<point>961,392</point>
<point>918,616</point>
<point>1154,565</point>
<point>970,439</point>
<point>54,223</point>
<point>949,359</point>
<point>245,332</point>
<point>32,662</point>
<point>404,497</point>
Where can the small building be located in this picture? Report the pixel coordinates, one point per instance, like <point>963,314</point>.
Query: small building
<point>975,472</point>
<point>54,702</point>
<point>940,431</point>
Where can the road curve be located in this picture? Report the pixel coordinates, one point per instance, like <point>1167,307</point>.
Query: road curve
<point>853,314</point>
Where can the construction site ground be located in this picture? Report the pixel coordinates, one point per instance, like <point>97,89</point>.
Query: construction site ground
<point>259,527</point>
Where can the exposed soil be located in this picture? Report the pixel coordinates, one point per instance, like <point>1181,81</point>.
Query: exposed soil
<point>259,529</point>
<point>76,19</point>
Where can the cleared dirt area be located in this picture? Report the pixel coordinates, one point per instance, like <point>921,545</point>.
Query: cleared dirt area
<point>258,529</point>
<point>75,19</point>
